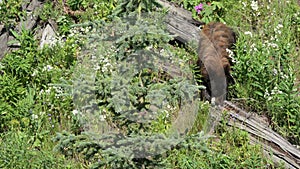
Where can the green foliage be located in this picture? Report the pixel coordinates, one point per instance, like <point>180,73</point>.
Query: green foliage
<point>212,12</point>
<point>50,11</point>
<point>83,10</point>
<point>26,74</point>
<point>18,152</point>
<point>76,5</point>
<point>134,91</point>
<point>39,87</point>
<point>64,22</point>
<point>265,70</point>
<point>126,7</point>
<point>194,151</point>
<point>11,12</point>
<point>100,9</point>
<point>231,149</point>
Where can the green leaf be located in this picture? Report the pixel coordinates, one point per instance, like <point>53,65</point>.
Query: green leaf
<point>12,42</point>
<point>259,93</point>
<point>15,34</point>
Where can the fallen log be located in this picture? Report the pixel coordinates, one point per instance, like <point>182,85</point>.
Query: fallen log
<point>181,24</point>
<point>274,145</point>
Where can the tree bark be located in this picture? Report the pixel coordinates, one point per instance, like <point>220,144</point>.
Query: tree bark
<point>181,24</point>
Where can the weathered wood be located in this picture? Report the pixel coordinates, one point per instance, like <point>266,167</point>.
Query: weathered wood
<point>181,24</point>
<point>273,144</point>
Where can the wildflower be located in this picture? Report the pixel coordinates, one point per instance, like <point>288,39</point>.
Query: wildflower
<point>48,68</point>
<point>275,72</point>
<point>244,4</point>
<point>48,90</point>
<point>267,94</point>
<point>248,33</point>
<point>253,48</point>
<point>277,28</point>
<point>75,112</point>
<point>254,5</point>
<point>96,67</point>
<point>230,53</point>
<point>273,45</point>
<point>58,90</point>
<point>34,116</point>
<point>284,76</point>
<point>269,98</point>
<point>199,8</point>
<point>102,117</point>
<point>34,73</point>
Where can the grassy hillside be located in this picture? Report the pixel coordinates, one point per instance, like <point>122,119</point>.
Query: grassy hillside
<point>58,103</point>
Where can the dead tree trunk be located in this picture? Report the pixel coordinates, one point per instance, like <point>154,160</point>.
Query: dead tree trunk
<point>181,24</point>
<point>272,143</point>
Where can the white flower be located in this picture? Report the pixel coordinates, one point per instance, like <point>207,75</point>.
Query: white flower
<point>253,48</point>
<point>284,76</point>
<point>270,98</point>
<point>102,117</point>
<point>244,4</point>
<point>248,33</point>
<point>230,53</point>
<point>58,90</point>
<point>273,45</point>
<point>254,5</point>
<point>34,116</point>
<point>97,67</point>
<point>277,28</point>
<point>47,68</point>
<point>34,73</point>
<point>41,92</point>
<point>75,112</point>
<point>104,69</point>
<point>266,93</point>
<point>275,72</point>
<point>48,90</point>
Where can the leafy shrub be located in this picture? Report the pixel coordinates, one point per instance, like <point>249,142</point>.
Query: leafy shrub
<point>126,7</point>
<point>11,12</point>
<point>17,151</point>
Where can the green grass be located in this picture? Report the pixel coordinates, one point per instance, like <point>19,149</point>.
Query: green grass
<point>40,122</point>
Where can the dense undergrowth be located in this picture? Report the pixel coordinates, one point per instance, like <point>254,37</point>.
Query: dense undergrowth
<point>45,105</point>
